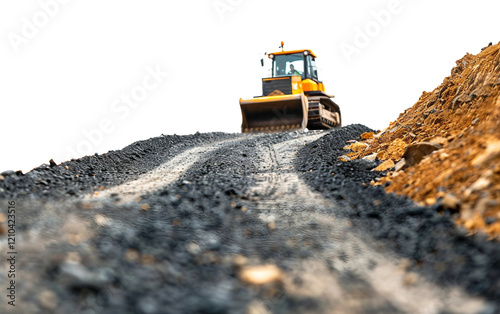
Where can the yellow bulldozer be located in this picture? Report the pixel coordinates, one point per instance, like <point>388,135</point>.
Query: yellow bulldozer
<point>293,98</point>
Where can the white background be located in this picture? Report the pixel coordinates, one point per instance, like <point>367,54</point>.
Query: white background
<point>59,80</point>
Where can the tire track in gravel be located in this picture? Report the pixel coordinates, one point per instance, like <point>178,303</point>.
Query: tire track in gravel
<point>163,175</point>
<point>350,273</point>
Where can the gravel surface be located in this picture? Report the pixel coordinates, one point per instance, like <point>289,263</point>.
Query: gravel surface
<point>430,240</point>
<point>90,173</point>
<point>218,223</point>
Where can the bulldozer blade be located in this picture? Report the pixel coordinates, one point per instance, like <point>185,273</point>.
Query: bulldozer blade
<point>274,113</point>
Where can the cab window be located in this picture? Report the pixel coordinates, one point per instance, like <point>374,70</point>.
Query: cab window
<point>285,65</point>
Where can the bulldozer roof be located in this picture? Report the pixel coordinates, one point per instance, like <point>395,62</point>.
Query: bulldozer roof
<point>293,51</point>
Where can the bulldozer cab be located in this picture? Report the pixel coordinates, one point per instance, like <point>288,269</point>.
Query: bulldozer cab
<point>295,63</point>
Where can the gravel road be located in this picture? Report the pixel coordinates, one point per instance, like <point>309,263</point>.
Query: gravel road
<point>232,223</point>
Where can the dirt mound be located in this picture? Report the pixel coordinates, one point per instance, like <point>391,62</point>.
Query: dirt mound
<point>462,115</point>
<point>276,93</point>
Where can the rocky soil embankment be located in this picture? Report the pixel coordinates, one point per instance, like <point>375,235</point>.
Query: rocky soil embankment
<point>451,142</point>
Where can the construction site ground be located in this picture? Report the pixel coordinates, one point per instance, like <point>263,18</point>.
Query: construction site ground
<point>297,222</point>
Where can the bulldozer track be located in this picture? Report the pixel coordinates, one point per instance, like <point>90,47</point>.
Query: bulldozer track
<point>163,175</point>
<point>350,264</point>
